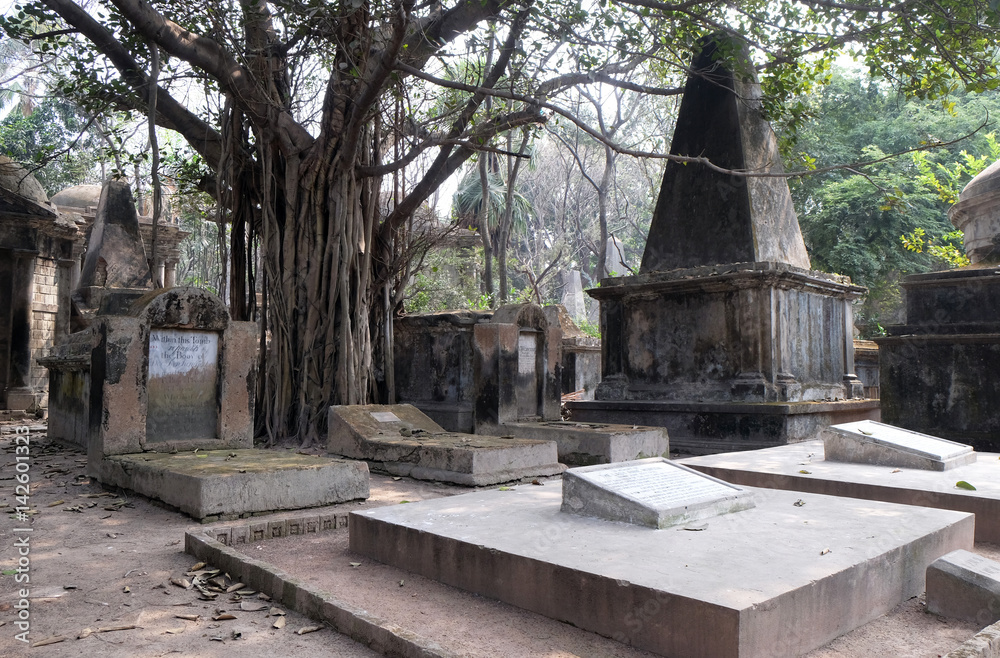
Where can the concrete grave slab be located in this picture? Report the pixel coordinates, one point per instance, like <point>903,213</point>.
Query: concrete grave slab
<point>233,482</point>
<point>404,441</point>
<point>652,492</point>
<point>777,580</point>
<point>801,467</point>
<point>869,442</point>
<point>585,444</point>
<point>965,586</point>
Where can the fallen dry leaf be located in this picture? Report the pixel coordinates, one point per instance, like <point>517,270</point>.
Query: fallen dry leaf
<point>175,631</point>
<point>111,629</point>
<point>58,502</point>
<point>234,587</point>
<point>225,616</point>
<point>84,633</point>
<point>275,612</point>
<point>183,583</point>
<point>196,567</point>
<point>188,617</point>
<point>279,622</point>
<point>248,606</point>
<point>308,629</point>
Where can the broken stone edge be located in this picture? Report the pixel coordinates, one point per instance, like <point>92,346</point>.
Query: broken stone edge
<point>368,629</point>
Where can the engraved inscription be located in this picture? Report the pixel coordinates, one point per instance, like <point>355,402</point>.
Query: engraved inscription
<point>526,347</point>
<point>659,484</point>
<point>978,564</point>
<point>182,385</point>
<point>385,416</point>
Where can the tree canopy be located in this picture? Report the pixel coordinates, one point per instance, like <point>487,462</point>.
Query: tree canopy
<point>321,127</point>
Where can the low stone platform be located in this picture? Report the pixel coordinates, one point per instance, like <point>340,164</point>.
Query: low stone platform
<point>700,428</point>
<point>779,579</point>
<point>231,483</point>
<point>404,441</point>
<point>585,444</point>
<point>802,467</point>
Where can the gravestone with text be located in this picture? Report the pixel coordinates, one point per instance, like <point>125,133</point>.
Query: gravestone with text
<point>966,586</point>
<point>182,385</point>
<point>195,368</point>
<point>652,492</point>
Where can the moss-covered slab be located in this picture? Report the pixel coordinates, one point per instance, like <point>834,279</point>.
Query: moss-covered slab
<point>208,483</point>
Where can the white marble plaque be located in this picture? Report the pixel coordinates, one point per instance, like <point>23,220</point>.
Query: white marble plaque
<point>660,484</point>
<point>385,417</point>
<point>175,352</point>
<point>526,348</point>
<point>653,492</point>
<point>182,385</point>
<point>871,442</point>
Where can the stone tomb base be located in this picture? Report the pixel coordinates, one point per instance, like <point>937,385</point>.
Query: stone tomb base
<point>776,580</point>
<point>583,444</point>
<point>709,427</point>
<point>802,467</point>
<point>404,441</point>
<point>230,483</point>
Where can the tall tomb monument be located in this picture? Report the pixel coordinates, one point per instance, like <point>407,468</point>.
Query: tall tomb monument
<point>726,337</point>
<point>939,368</point>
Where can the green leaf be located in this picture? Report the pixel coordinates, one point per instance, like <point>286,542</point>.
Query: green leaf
<point>962,484</point>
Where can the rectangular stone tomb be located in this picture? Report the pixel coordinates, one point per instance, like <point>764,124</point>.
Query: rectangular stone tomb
<point>779,579</point>
<point>966,586</point>
<point>586,444</point>
<point>801,467</point>
<point>228,483</point>
<point>869,442</point>
<point>404,441</point>
<point>652,492</point>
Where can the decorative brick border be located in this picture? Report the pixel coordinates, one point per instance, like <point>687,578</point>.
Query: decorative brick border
<point>214,546</point>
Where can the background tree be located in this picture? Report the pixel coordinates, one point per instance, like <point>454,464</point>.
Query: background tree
<point>302,109</point>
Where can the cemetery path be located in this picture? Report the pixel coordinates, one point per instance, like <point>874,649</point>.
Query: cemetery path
<point>104,560</point>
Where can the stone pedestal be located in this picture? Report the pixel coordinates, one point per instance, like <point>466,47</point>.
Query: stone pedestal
<point>728,357</point>
<point>938,371</point>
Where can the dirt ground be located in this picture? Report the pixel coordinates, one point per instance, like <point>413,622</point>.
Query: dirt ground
<point>104,561</point>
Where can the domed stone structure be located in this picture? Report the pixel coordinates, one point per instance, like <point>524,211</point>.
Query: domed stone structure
<point>36,265</point>
<point>977,215</point>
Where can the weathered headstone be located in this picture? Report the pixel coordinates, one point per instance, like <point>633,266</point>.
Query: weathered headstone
<point>404,441</point>
<point>654,492</point>
<point>725,318</point>
<point>500,374</point>
<point>176,377</point>
<point>182,387</point>
<point>965,586</point>
<point>869,442</point>
<point>195,370</point>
